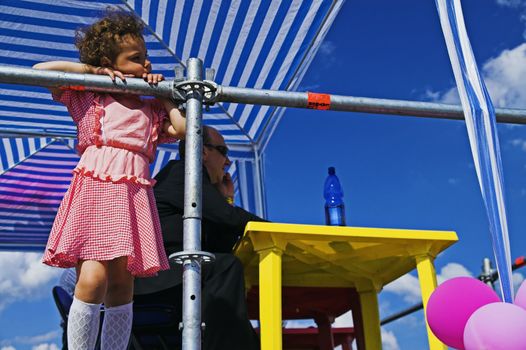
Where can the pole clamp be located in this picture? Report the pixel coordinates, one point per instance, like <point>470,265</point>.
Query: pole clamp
<point>202,257</point>
<point>206,87</point>
<point>181,326</point>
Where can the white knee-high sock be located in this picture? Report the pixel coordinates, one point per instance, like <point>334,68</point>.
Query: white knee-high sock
<point>116,327</point>
<point>83,325</point>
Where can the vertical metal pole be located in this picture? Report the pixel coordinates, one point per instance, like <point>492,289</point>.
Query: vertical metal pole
<point>260,194</point>
<point>487,272</point>
<point>192,210</point>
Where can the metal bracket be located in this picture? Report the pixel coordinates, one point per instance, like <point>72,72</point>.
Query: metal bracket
<point>202,257</point>
<point>209,77</point>
<point>181,326</point>
<point>181,87</point>
<point>207,87</point>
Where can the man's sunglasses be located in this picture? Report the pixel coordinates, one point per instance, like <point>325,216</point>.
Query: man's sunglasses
<point>220,148</point>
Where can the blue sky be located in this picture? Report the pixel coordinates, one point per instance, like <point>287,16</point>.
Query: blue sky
<point>397,172</point>
<point>405,172</point>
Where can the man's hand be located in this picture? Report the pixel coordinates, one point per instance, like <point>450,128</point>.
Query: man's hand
<point>226,186</point>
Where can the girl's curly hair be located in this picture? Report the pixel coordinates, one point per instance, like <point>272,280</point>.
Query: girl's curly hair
<point>102,39</point>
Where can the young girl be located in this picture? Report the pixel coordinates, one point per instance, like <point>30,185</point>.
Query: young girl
<point>107,225</point>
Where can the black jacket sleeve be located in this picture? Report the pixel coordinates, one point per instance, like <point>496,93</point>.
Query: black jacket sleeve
<point>222,223</point>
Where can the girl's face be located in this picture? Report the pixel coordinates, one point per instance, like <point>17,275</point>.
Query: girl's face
<point>133,58</point>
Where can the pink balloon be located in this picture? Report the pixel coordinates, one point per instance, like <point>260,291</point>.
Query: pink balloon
<point>520,298</point>
<point>451,305</point>
<point>496,326</point>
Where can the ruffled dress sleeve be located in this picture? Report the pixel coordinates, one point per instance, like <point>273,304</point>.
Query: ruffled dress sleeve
<point>77,102</point>
<point>160,114</point>
<point>85,110</point>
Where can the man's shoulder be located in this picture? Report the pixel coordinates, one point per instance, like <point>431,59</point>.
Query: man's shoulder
<point>172,171</point>
<point>171,166</point>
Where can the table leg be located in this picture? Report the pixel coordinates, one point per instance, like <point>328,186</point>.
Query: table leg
<point>325,337</point>
<point>357,320</point>
<point>428,283</point>
<point>270,298</point>
<point>370,319</point>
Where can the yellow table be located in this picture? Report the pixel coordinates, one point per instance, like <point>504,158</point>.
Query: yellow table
<point>332,256</point>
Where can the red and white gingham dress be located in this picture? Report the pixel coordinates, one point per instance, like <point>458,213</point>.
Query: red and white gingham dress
<point>109,209</point>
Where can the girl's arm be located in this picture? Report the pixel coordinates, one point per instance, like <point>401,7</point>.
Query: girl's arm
<point>176,127</point>
<point>65,66</point>
<point>82,68</point>
<point>77,67</point>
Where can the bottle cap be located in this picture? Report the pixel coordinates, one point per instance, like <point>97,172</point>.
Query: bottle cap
<point>332,171</point>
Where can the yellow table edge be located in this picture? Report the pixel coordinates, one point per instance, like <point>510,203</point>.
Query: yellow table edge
<point>388,233</point>
<point>270,262</point>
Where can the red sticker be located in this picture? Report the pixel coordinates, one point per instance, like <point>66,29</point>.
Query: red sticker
<point>73,87</point>
<point>318,101</point>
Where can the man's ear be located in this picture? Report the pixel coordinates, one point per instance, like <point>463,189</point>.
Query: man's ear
<point>205,153</point>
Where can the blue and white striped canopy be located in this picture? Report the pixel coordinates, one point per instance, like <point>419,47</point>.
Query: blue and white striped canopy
<point>250,43</point>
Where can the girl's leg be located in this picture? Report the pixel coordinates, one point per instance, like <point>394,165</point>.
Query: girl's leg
<point>84,314</point>
<point>118,314</point>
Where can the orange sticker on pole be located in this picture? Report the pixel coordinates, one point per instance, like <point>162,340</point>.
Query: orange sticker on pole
<point>73,87</point>
<point>318,101</point>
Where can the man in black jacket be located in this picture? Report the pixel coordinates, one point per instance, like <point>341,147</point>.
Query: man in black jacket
<point>223,295</point>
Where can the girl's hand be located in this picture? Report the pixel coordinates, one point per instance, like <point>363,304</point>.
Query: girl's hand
<point>108,71</point>
<point>177,126</point>
<point>152,78</point>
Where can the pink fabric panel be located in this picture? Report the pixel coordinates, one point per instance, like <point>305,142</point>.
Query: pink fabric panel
<point>44,170</point>
<point>33,200</point>
<point>32,207</point>
<point>31,183</point>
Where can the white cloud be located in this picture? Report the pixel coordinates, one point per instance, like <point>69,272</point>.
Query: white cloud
<point>521,143</point>
<point>23,276</point>
<point>406,286</point>
<point>327,48</point>
<point>453,181</point>
<point>510,3</point>
<point>389,341</point>
<point>409,288</point>
<point>327,51</point>
<point>520,5</point>
<point>40,338</point>
<point>344,320</point>
<point>517,279</point>
<point>452,270</point>
<point>312,87</point>
<point>300,323</point>
<point>52,346</point>
<point>505,78</point>
<point>449,97</point>
<point>38,342</point>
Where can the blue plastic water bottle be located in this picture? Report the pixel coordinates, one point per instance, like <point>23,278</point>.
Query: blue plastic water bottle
<point>333,193</point>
